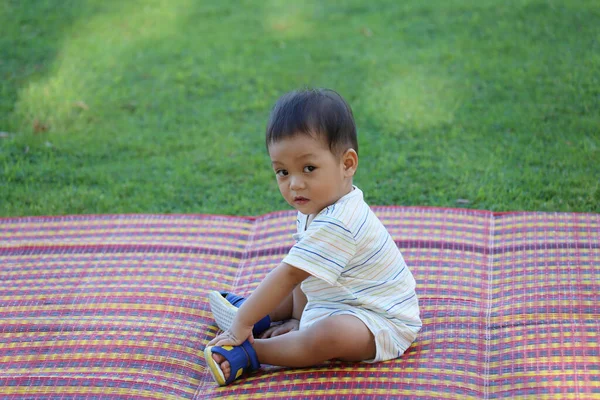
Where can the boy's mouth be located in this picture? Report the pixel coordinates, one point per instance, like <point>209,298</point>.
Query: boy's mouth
<point>300,200</point>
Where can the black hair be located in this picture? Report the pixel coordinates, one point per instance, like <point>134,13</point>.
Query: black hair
<point>321,112</point>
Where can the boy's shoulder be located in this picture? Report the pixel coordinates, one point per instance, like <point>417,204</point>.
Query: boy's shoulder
<point>350,211</point>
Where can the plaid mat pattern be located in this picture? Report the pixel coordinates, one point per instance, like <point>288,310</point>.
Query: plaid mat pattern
<point>114,306</point>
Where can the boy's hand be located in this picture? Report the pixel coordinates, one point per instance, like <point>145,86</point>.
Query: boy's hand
<point>276,330</point>
<point>234,336</point>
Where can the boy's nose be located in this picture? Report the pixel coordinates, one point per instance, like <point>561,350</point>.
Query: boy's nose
<point>296,183</point>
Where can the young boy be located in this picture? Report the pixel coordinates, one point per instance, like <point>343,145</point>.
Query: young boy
<point>344,280</point>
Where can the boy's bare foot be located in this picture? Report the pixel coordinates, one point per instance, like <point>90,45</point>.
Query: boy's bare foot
<point>224,364</point>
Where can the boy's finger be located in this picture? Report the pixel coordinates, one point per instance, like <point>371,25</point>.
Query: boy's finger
<point>280,331</point>
<point>224,342</point>
<point>217,339</point>
<point>267,334</point>
<point>214,341</point>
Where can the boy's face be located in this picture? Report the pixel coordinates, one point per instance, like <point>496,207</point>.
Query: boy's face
<point>309,175</point>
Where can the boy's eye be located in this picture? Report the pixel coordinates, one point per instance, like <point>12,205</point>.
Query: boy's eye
<point>309,168</point>
<point>281,172</point>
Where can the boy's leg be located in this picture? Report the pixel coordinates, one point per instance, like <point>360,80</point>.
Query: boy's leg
<point>342,337</point>
<point>299,303</point>
<point>225,308</point>
<point>291,307</point>
<point>283,310</point>
<point>289,322</point>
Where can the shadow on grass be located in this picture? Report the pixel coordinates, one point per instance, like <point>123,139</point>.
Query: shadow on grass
<point>33,35</point>
<point>499,113</point>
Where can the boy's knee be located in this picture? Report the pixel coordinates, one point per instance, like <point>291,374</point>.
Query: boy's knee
<point>340,334</point>
<point>325,333</point>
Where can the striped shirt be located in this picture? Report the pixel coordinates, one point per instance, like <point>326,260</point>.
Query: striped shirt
<point>356,268</point>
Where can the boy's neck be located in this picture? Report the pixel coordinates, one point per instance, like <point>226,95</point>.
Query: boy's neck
<point>312,216</point>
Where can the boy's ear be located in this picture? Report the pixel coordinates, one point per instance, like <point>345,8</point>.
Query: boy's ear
<point>350,161</point>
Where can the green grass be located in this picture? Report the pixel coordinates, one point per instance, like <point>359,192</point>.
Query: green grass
<point>159,106</point>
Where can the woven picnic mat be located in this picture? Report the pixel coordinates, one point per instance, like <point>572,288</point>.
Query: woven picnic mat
<point>114,306</point>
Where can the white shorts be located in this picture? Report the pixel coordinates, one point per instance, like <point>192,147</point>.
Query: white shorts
<point>391,339</point>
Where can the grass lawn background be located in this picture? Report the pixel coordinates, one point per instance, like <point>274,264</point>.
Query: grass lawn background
<point>159,106</point>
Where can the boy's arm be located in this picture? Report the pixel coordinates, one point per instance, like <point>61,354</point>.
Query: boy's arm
<point>278,284</point>
<point>266,297</point>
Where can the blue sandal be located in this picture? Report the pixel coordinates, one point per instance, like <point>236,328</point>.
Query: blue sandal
<point>241,359</point>
<point>224,307</point>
